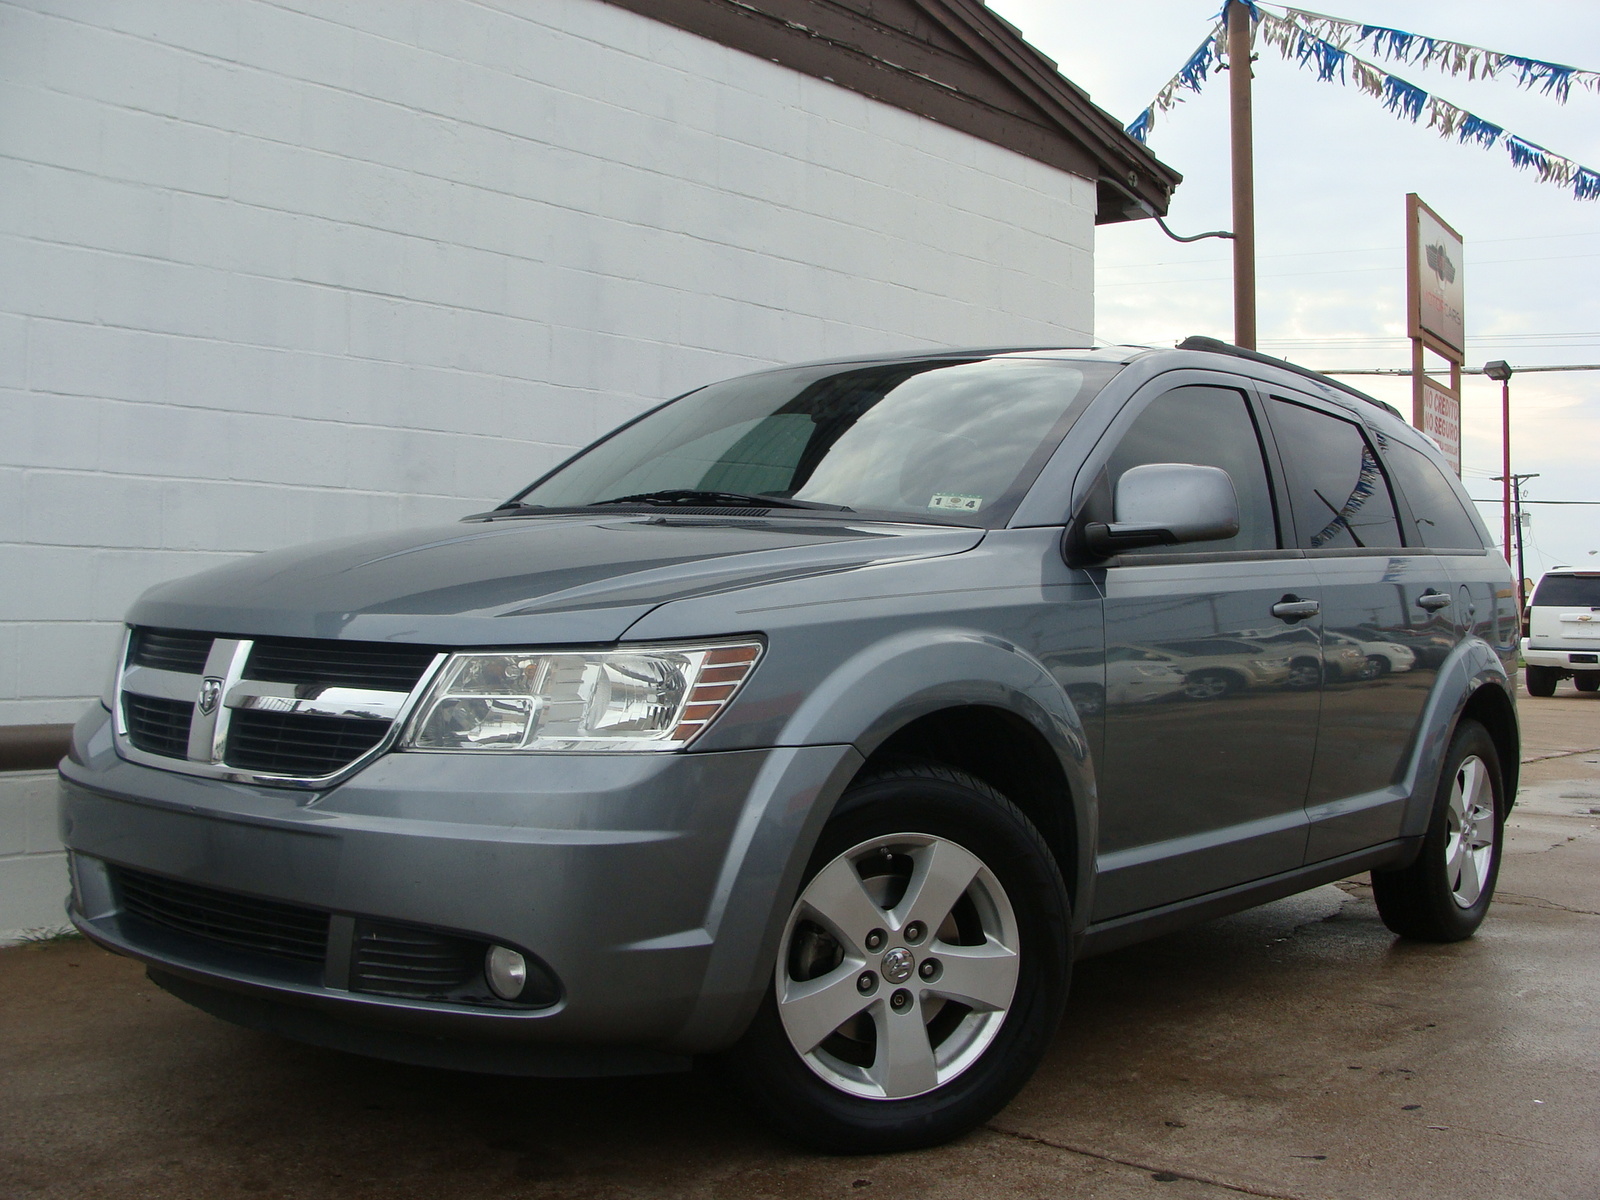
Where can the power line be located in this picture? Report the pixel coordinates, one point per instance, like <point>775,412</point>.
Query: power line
<point>1393,268</point>
<point>1199,262</point>
<point>1406,371</point>
<point>1475,500</point>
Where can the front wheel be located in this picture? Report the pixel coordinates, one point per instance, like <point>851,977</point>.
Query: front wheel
<point>922,970</point>
<point>1444,895</point>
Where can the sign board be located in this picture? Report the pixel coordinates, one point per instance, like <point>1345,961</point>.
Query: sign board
<point>1435,285</point>
<point>1441,420</point>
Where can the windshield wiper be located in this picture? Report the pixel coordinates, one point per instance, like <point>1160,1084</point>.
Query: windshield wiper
<point>689,497</point>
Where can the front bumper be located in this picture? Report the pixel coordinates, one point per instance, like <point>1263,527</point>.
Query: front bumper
<point>645,882</point>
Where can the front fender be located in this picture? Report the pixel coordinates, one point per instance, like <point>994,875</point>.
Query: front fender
<point>848,714</point>
<point>889,684</point>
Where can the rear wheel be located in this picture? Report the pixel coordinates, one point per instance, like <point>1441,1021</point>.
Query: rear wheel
<point>1587,681</point>
<point>1444,895</point>
<point>1541,681</point>
<point>922,970</point>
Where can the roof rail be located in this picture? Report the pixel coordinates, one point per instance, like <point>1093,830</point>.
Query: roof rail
<point>1214,346</point>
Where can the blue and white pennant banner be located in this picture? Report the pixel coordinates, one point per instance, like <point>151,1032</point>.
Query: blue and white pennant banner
<point>1300,37</point>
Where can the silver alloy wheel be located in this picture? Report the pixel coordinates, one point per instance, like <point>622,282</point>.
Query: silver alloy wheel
<point>897,967</point>
<point>1206,685</point>
<point>1469,846</point>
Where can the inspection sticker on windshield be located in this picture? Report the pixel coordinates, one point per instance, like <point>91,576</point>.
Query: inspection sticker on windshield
<point>956,501</point>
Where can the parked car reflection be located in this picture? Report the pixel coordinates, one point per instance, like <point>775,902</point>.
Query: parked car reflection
<point>1380,656</point>
<point>1133,675</point>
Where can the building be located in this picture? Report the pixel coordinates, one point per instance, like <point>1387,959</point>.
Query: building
<point>270,272</point>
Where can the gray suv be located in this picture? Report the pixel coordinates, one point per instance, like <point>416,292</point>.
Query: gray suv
<point>817,722</point>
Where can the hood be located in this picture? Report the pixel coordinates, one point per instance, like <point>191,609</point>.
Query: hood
<point>522,580</point>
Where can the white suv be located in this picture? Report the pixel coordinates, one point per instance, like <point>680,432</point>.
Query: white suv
<point>1563,632</point>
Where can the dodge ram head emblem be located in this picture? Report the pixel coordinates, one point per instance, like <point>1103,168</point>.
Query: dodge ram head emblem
<point>897,965</point>
<point>210,691</point>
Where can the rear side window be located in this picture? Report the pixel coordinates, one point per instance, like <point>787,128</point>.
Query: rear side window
<point>1568,591</point>
<point>1443,522</point>
<point>1338,489</point>
<point>1209,427</point>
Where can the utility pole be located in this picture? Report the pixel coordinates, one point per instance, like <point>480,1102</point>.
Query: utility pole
<point>1500,370</point>
<point>1514,482</point>
<point>1244,188</point>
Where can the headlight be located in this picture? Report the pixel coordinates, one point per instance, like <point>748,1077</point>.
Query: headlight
<point>655,698</point>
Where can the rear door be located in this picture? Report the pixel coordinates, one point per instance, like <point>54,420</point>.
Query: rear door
<point>1388,615</point>
<point>1207,750</point>
<point>1435,514</point>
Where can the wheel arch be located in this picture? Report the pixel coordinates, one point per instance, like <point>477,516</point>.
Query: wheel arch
<point>906,690</point>
<point>1472,684</point>
<point>1492,707</point>
<point>1008,753</point>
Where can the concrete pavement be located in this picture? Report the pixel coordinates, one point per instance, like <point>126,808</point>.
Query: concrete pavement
<point>1298,1050</point>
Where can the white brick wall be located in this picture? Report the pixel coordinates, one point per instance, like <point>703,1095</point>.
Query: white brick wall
<point>33,867</point>
<point>277,270</point>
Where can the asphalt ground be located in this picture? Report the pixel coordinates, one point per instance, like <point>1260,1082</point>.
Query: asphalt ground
<point>1298,1050</point>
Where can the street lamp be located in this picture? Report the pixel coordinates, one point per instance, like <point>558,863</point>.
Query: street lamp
<point>1501,370</point>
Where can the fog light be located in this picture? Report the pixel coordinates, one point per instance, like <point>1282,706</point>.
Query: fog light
<point>507,972</point>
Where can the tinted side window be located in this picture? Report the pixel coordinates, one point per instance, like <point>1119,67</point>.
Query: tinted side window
<point>1211,427</point>
<point>1442,521</point>
<point>1340,495</point>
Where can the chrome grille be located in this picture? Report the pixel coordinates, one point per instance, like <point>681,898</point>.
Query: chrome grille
<point>296,711</point>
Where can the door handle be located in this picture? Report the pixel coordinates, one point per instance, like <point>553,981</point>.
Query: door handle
<point>1292,608</point>
<point>1433,601</point>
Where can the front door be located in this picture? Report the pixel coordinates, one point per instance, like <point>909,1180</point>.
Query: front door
<point>1204,772</point>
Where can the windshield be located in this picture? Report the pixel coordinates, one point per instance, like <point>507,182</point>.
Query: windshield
<point>948,440</point>
<point>1574,591</point>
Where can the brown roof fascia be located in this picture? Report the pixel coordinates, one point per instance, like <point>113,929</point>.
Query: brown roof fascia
<point>953,61</point>
<point>1135,172</point>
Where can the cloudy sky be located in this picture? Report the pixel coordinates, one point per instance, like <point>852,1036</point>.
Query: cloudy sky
<point>1332,171</point>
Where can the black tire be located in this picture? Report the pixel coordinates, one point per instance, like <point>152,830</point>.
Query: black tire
<point>1586,681</point>
<point>1421,901</point>
<point>1541,681</point>
<point>944,804</point>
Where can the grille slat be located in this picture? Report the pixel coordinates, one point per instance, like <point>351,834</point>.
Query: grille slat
<point>346,664</point>
<point>170,650</point>
<point>298,743</point>
<point>243,922</point>
<point>414,963</point>
<point>158,726</point>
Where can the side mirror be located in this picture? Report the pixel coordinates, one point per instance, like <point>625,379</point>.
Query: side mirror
<point>1167,504</point>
